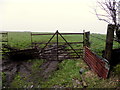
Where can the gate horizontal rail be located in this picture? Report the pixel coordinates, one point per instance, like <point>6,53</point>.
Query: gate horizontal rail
<point>69,50</point>
<point>55,42</point>
<point>46,50</point>
<point>61,33</point>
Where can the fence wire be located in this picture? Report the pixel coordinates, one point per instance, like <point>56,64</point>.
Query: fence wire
<point>98,41</point>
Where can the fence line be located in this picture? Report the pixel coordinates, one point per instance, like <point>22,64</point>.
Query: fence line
<point>61,33</point>
<point>98,38</point>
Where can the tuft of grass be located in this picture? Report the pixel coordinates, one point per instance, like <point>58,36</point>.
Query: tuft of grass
<point>68,70</point>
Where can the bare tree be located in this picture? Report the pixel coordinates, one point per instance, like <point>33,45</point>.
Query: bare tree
<point>107,10</point>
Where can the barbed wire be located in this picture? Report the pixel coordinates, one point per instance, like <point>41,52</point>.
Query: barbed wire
<point>99,46</point>
<point>99,38</point>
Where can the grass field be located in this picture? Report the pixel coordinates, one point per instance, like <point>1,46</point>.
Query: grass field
<point>68,71</point>
<point>23,40</point>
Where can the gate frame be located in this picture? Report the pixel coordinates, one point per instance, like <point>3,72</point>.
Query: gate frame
<point>84,42</point>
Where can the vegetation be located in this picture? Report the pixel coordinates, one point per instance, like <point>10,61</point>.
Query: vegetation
<point>27,80</point>
<point>68,73</point>
<point>68,70</point>
<point>3,78</point>
<point>19,39</point>
<point>98,41</point>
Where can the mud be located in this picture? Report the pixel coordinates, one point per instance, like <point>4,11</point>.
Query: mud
<point>16,61</point>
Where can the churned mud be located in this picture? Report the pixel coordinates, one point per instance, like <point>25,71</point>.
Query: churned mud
<point>17,62</point>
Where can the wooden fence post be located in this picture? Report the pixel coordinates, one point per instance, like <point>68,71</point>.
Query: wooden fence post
<point>86,39</point>
<point>7,38</point>
<point>109,42</point>
<point>31,40</point>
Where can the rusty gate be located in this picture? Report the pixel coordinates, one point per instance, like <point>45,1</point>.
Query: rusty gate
<point>58,50</point>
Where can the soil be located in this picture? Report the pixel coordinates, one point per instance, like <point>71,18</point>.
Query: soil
<point>17,62</point>
<point>12,68</point>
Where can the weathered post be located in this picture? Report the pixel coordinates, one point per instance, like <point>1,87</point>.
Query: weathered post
<point>7,38</point>
<point>109,42</point>
<point>86,39</point>
<point>57,44</point>
<point>31,40</point>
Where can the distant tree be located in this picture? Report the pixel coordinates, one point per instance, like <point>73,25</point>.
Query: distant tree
<point>107,10</point>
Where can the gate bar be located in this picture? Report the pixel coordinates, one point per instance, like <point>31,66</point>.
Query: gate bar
<point>48,42</point>
<point>57,44</point>
<point>68,44</point>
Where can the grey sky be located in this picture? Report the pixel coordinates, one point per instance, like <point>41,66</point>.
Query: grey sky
<point>49,16</point>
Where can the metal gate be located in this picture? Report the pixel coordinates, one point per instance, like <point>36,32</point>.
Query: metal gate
<point>58,50</point>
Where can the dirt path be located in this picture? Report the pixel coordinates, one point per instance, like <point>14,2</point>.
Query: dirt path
<point>48,68</point>
<point>12,68</point>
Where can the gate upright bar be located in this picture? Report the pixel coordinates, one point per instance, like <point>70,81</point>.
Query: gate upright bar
<point>57,44</point>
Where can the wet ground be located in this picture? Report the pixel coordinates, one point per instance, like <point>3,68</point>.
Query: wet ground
<point>11,68</point>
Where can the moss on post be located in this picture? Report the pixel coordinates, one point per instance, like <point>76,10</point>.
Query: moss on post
<point>86,39</point>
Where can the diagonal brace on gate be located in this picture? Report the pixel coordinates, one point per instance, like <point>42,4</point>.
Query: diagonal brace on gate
<point>57,33</point>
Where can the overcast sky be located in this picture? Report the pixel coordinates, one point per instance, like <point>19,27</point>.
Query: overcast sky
<point>49,16</point>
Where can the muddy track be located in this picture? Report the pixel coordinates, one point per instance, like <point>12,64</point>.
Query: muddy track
<point>12,68</point>
<point>12,65</point>
<point>48,68</point>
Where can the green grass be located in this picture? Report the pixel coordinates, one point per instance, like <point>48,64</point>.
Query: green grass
<point>19,39</point>
<point>45,38</point>
<point>23,39</point>
<point>27,81</point>
<point>68,69</point>
<point>98,42</point>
